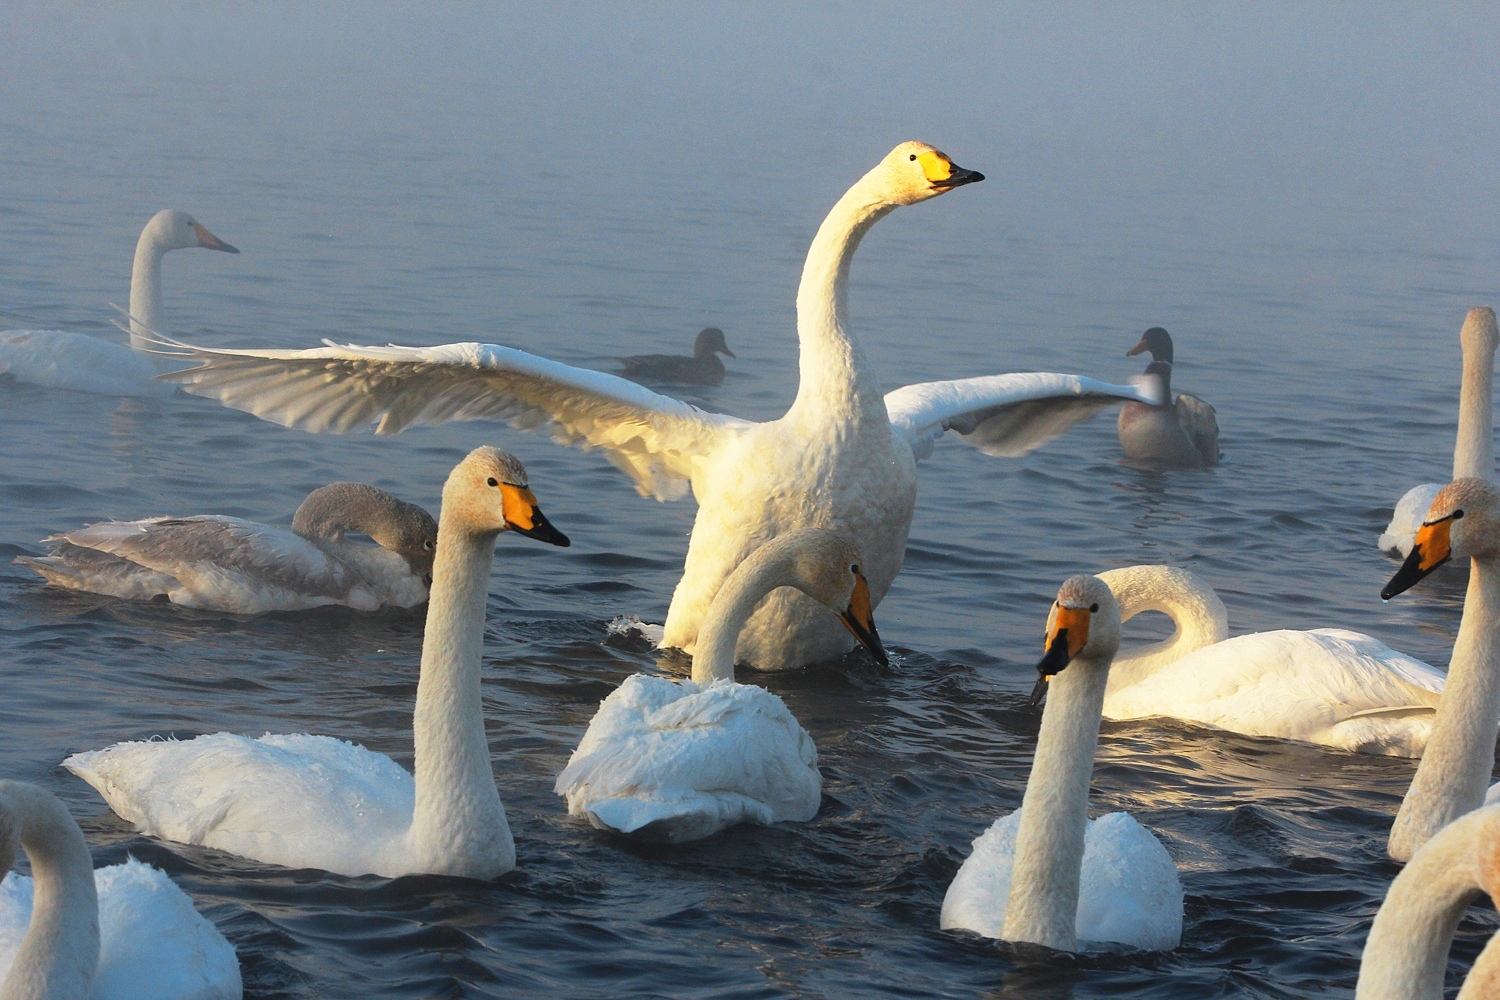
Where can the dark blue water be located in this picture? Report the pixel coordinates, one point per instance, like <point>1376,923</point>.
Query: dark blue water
<point>1305,199</point>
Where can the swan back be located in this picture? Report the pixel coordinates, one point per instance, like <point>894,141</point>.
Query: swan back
<point>402,527</point>
<point>1198,615</point>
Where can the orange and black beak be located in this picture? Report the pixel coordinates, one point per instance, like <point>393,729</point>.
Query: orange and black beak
<point>209,241</point>
<point>1431,549</point>
<point>1068,633</point>
<point>858,618</point>
<point>524,517</point>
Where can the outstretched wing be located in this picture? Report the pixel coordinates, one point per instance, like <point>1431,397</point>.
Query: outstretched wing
<point>1201,424</point>
<point>336,388</point>
<point>1002,415</point>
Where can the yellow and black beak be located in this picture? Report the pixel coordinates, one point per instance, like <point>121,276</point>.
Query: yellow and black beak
<point>1431,549</point>
<point>1068,634</point>
<point>524,517</point>
<point>859,619</point>
<point>943,174</point>
<point>209,241</point>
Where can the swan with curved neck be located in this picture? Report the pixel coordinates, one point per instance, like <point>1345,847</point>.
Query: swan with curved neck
<point>677,761</point>
<point>1037,875</point>
<point>153,942</point>
<point>1463,522</point>
<point>317,802</point>
<point>230,564</point>
<point>1180,434</point>
<point>842,456</point>
<point>57,359</point>
<point>1332,687</point>
<point>1473,448</point>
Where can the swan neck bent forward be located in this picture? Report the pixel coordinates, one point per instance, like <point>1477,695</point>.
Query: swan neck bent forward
<point>59,955</point>
<point>1199,616</point>
<point>1043,904</point>
<point>1473,450</point>
<point>145,289</point>
<point>1455,768</point>
<point>765,570</point>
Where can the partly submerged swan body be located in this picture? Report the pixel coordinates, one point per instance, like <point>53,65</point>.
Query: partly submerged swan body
<point>676,761</point>
<point>1047,874</point>
<point>318,802</point>
<point>1473,449</point>
<point>1328,686</point>
<point>1454,774</point>
<point>703,368</point>
<point>1180,434</point>
<point>228,564</point>
<point>69,932</point>
<point>844,455</point>
<point>57,359</point>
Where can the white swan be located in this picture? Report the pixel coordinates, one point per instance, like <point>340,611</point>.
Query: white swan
<point>843,456</point>
<point>1046,873</point>
<point>1180,434</point>
<point>69,932</point>
<point>57,359</point>
<point>317,802</point>
<point>679,760</point>
<point>1463,521</point>
<point>1473,450</point>
<point>228,564</point>
<point>1406,955</point>
<point>1328,686</point>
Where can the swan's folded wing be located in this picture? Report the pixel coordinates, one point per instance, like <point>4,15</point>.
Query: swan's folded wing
<point>1002,415</point>
<point>336,388</point>
<point>1200,421</point>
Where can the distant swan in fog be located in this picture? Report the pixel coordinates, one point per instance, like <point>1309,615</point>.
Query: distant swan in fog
<point>1046,873</point>
<point>844,455</point>
<point>1181,435</point>
<point>229,564</point>
<point>118,933</point>
<point>1328,686</point>
<point>1473,450</point>
<point>703,368</point>
<point>678,760</point>
<point>317,802</point>
<point>57,359</point>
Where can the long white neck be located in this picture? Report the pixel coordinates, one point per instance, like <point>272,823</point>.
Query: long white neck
<point>1455,768</point>
<point>1407,949</point>
<point>836,378</point>
<point>1483,980</point>
<point>459,826</point>
<point>60,953</point>
<point>1473,451</point>
<point>1043,904</point>
<point>1194,608</point>
<point>765,570</point>
<point>145,289</point>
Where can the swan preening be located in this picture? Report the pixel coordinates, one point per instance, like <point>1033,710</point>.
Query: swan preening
<point>843,456</point>
<point>1473,449</point>
<point>1328,686</point>
<point>1463,522</point>
<point>229,564</point>
<point>57,359</point>
<point>317,802</point>
<point>1180,434</point>
<point>703,368</point>
<point>120,933</point>
<point>679,760</point>
<point>1047,874</point>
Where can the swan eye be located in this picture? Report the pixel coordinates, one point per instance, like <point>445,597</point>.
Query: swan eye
<point>1093,607</point>
<point>913,157</point>
<point>493,481</point>
<point>854,568</point>
<point>1458,515</point>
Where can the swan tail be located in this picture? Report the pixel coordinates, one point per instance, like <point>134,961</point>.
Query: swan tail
<point>75,567</point>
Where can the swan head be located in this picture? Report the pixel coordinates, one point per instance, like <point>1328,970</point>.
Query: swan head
<point>915,171</point>
<point>1157,341</point>
<point>1084,622</point>
<point>1461,522</point>
<point>404,528</point>
<point>711,341</point>
<point>488,493</point>
<point>826,566</point>
<point>174,229</point>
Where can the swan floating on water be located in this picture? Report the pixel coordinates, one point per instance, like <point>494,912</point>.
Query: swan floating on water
<point>1328,686</point>
<point>1473,449</point>
<point>125,932</point>
<point>675,761</point>
<point>317,802</point>
<point>1454,774</point>
<point>57,359</point>
<point>1175,435</point>
<point>703,368</point>
<point>844,455</point>
<point>229,564</point>
<point>1046,873</point>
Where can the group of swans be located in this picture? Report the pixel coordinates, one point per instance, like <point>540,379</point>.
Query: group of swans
<point>1174,434</point>
<point>58,359</point>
